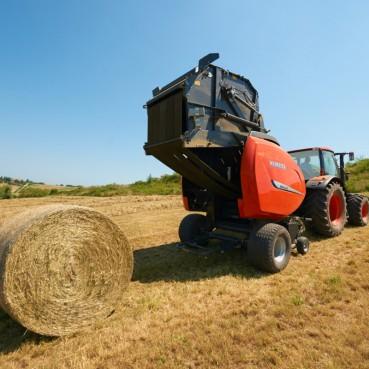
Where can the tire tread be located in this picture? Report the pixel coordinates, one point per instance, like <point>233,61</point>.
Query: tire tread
<point>259,250</point>
<point>316,207</point>
<point>354,206</point>
<point>191,225</point>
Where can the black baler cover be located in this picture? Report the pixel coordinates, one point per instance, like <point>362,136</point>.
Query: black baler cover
<point>207,108</point>
<point>207,99</point>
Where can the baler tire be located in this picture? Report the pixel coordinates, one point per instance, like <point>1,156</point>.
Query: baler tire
<point>327,209</point>
<point>358,210</point>
<point>192,226</point>
<point>269,247</point>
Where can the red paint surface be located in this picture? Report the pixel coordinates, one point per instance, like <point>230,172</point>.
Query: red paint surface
<point>260,199</point>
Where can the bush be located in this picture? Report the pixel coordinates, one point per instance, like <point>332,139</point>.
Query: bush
<point>5,192</point>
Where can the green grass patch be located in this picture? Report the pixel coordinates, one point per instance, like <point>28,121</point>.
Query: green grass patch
<point>31,191</point>
<point>334,281</point>
<point>168,184</point>
<point>358,176</point>
<point>334,286</point>
<point>297,300</point>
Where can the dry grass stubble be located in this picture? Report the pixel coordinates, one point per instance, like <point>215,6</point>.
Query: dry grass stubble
<point>182,311</point>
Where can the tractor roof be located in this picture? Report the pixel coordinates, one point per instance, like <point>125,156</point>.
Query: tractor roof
<point>313,148</point>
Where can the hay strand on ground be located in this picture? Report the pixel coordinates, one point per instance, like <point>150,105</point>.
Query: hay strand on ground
<point>62,268</point>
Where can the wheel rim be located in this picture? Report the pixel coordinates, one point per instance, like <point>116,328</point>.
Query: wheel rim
<point>280,250</point>
<point>336,208</point>
<point>365,211</point>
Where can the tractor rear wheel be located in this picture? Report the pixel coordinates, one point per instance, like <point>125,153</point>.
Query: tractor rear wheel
<point>269,247</point>
<point>192,226</point>
<point>358,209</point>
<point>327,209</point>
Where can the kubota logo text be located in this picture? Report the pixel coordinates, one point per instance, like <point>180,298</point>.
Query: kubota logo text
<point>277,164</point>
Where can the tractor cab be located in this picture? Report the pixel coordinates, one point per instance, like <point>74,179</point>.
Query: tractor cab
<point>321,161</point>
<point>315,162</point>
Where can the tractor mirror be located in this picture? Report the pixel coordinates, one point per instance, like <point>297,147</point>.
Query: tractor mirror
<point>351,156</point>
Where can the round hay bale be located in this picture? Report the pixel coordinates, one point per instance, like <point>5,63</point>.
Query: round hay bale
<point>62,268</point>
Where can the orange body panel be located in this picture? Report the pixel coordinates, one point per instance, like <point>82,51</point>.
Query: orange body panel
<point>185,202</point>
<point>273,185</point>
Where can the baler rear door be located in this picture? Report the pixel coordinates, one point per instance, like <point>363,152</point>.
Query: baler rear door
<point>273,185</point>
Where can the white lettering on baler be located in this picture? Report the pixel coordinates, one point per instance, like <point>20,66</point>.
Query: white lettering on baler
<point>277,164</point>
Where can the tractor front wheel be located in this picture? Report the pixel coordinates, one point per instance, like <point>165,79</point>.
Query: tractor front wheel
<point>358,209</point>
<point>192,226</point>
<point>327,209</point>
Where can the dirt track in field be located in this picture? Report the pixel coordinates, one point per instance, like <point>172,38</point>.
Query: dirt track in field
<point>184,311</point>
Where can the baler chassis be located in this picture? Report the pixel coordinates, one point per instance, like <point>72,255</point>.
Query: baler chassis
<point>206,126</point>
<point>226,236</point>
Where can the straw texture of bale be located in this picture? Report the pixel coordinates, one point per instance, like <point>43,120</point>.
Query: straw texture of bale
<point>62,268</point>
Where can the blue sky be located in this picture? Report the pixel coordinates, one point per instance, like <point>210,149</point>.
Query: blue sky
<point>74,76</point>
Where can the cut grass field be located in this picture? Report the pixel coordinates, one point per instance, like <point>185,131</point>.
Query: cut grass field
<point>185,311</point>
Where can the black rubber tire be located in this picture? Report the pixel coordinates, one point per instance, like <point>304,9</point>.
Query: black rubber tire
<point>192,225</point>
<point>262,245</point>
<point>317,207</point>
<point>302,245</point>
<point>357,207</point>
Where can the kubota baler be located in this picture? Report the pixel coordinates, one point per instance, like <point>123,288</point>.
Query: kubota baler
<point>206,126</point>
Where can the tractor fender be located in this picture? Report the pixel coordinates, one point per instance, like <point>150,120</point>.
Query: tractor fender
<point>321,182</point>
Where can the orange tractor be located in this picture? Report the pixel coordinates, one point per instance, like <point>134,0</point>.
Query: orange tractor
<point>206,126</point>
<point>327,201</point>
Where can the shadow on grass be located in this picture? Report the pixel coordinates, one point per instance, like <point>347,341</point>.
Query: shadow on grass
<point>13,335</point>
<point>314,237</point>
<point>158,263</point>
<point>168,263</point>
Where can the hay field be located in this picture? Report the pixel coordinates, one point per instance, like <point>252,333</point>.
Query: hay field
<point>185,311</point>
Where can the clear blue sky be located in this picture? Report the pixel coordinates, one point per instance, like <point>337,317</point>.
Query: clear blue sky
<point>75,74</point>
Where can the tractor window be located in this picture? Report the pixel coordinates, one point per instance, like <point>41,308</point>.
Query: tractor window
<point>308,161</point>
<point>330,164</point>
